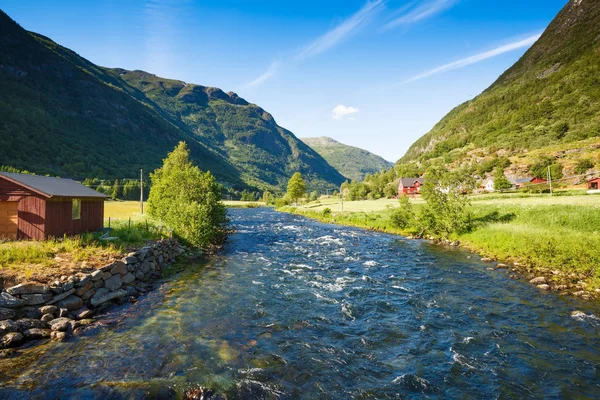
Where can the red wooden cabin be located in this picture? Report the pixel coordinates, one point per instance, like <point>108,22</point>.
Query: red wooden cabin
<point>593,184</point>
<point>410,185</point>
<point>38,207</point>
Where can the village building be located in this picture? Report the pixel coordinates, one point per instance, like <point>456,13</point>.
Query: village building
<point>39,207</point>
<point>593,185</point>
<point>488,185</point>
<point>520,182</point>
<point>410,186</point>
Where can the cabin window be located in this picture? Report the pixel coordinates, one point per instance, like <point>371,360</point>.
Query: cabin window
<point>76,210</point>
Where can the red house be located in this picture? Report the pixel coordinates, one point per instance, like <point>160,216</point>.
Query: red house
<point>38,207</point>
<point>520,182</point>
<point>410,185</point>
<point>593,184</point>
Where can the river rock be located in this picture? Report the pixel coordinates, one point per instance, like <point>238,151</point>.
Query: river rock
<point>120,268</point>
<point>538,280</point>
<point>145,267</point>
<point>63,312</point>
<point>83,280</point>
<point>6,313</point>
<point>29,288</point>
<point>71,303</point>
<point>12,339</point>
<point>58,336</point>
<point>47,317</point>
<point>68,286</point>
<point>62,296</point>
<point>127,279</point>
<point>103,295</point>
<point>98,284</point>
<point>28,312</point>
<point>8,326</point>
<point>97,275</point>
<point>29,323</point>
<point>7,300</point>
<point>60,324</point>
<point>543,287</point>
<point>139,275</point>
<point>80,291</point>
<point>36,333</point>
<point>48,309</point>
<point>113,283</point>
<point>83,313</point>
<point>34,299</point>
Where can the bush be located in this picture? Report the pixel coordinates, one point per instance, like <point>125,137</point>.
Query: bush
<point>281,203</point>
<point>403,216</point>
<point>583,165</point>
<point>326,212</point>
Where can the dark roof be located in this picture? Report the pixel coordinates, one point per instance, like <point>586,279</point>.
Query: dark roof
<point>410,182</point>
<point>524,180</point>
<point>52,187</point>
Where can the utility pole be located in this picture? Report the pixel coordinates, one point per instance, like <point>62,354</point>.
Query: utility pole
<point>142,191</point>
<point>550,179</point>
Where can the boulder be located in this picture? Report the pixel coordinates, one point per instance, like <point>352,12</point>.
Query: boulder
<point>145,267</point>
<point>83,313</point>
<point>538,280</point>
<point>98,284</point>
<point>87,295</point>
<point>47,317</point>
<point>34,299</point>
<point>29,288</point>
<point>58,336</point>
<point>48,309</point>
<point>103,295</point>
<point>63,312</point>
<point>61,296</point>
<point>97,275</point>
<point>29,323</point>
<point>8,326</point>
<point>113,283</point>
<point>71,303</point>
<point>7,300</point>
<point>139,275</point>
<point>127,279</point>
<point>60,324</point>
<point>106,275</point>
<point>543,287</point>
<point>36,333</point>
<point>29,312</point>
<point>68,286</point>
<point>120,268</point>
<point>83,280</point>
<point>12,339</point>
<point>6,313</point>
<point>80,291</point>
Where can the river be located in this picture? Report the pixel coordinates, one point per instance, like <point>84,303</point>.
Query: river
<point>297,309</point>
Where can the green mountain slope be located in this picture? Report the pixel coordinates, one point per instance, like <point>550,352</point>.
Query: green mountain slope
<point>61,114</point>
<point>550,96</point>
<point>352,162</point>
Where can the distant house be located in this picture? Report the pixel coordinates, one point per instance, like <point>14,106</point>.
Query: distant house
<point>38,207</point>
<point>520,182</point>
<point>593,184</point>
<point>410,185</point>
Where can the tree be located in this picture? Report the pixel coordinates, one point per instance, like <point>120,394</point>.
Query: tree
<point>500,180</point>
<point>187,199</point>
<point>540,168</point>
<point>296,187</point>
<point>116,190</point>
<point>403,216</point>
<point>583,165</point>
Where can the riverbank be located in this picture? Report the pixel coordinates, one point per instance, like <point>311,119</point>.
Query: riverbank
<point>540,239</point>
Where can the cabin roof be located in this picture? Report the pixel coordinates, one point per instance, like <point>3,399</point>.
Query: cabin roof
<point>52,187</point>
<point>409,182</point>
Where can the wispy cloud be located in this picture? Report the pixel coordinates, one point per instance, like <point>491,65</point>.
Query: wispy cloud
<point>341,111</point>
<point>344,30</point>
<point>411,15</point>
<point>476,58</point>
<point>341,32</point>
<point>272,70</point>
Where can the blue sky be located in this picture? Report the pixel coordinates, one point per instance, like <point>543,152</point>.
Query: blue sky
<point>374,74</point>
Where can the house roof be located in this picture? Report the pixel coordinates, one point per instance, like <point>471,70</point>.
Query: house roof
<point>52,187</point>
<point>410,182</point>
<point>524,180</point>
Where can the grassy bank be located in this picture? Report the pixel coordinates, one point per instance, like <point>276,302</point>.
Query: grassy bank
<point>554,236</point>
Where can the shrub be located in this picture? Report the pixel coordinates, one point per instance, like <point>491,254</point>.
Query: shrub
<point>326,212</point>
<point>403,216</point>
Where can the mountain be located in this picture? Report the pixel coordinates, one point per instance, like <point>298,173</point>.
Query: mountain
<point>352,162</point>
<point>550,97</point>
<point>61,114</point>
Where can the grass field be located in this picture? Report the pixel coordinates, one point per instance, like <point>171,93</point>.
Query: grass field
<point>542,232</point>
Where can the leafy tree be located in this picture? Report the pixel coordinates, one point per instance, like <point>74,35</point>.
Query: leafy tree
<point>583,165</point>
<point>268,198</point>
<point>403,216</point>
<point>446,210</point>
<point>313,196</point>
<point>540,168</point>
<point>296,187</point>
<point>500,180</point>
<point>187,199</point>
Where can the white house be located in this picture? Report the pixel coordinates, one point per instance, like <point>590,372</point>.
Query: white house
<point>488,185</point>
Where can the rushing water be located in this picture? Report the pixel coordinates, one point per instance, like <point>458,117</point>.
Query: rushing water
<point>293,308</point>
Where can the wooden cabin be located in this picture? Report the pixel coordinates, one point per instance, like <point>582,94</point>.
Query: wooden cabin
<point>39,207</point>
<point>593,184</point>
<point>410,186</point>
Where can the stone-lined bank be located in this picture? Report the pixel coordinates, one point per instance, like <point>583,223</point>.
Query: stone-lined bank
<point>33,310</point>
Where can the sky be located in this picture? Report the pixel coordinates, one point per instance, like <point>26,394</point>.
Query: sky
<point>374,74</point>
